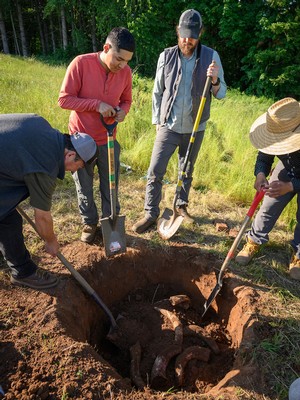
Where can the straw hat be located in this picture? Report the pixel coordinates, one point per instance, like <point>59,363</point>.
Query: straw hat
<point>278,130</point>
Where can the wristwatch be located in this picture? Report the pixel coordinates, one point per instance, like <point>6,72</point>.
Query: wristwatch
<point>216,83</point>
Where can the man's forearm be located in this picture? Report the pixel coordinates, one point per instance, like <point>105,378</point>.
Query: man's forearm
<point>44,226</point>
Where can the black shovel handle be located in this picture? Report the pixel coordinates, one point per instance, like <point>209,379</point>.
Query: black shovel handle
<point>74,273</point>
<point>109,127</point>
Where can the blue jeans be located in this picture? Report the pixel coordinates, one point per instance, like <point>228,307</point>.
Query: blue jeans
<point>271,210</point>
<point>13,248</point>
<point>83,179</point>
<point>165,144</point>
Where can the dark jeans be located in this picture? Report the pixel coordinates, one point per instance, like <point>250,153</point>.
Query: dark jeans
<point>13,248</point>
<point>271,210</point>
<point>166,142</point>
<point>85,191</point>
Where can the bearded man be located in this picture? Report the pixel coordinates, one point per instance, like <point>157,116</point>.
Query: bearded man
<point>179,82</point>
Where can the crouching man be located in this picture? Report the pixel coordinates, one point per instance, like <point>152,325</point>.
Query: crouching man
<point>33,156</point>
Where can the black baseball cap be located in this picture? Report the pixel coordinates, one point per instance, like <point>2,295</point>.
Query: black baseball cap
<point>190,24</point>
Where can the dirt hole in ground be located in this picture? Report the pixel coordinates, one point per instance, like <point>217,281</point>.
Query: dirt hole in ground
<point>162,342</point>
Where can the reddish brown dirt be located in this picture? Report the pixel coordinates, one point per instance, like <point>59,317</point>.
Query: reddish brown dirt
<point>54,344</point>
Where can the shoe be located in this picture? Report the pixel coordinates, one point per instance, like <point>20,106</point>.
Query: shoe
<point>41,279</point>
<point>142,225</point>
<point>247,252</point>
<point>182,210</point>
<point>88,233</point>
<point>294,268</point>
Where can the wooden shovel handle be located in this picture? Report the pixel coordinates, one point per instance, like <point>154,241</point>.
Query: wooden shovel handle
<point>74,272</point>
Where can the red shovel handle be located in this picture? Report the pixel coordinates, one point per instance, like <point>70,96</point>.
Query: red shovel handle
<point>257,199</point>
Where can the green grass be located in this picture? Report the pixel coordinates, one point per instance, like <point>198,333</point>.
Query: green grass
<point>29,86</point>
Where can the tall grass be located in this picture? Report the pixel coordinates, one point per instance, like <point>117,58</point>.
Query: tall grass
<point>29,86</point>
<point>227,158</point>
<point>225,163</point>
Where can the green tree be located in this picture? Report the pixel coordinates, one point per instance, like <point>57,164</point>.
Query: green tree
<point>272,65</point>
<point>258,40</point>
<point>262,46</point>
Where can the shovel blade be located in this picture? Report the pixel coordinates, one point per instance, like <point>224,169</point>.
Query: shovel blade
<point>169,223</point>
<point>211,297</point>
<point>113,232</point>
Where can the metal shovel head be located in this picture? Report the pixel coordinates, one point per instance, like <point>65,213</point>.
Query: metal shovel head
<point>113,232</point>
<point>169,223</point>
<point>212,296</point>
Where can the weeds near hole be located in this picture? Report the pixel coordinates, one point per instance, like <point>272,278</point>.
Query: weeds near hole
<point>79,373</point>
<point>279,354</point>
<point>65,396</point>
<point>171,390</point>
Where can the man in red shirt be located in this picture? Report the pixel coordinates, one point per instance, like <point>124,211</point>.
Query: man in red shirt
<point>98,83</point>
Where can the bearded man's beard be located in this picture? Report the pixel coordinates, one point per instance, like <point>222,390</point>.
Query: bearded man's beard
<point>187,48</point>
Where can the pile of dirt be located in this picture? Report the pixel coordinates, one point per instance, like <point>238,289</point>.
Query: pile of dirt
<point>59,344</point>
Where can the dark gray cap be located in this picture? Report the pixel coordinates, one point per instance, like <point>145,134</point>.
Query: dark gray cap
<point>190,24</point>
<point>85,146</point>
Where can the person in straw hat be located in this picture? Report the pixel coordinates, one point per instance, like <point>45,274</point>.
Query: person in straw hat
<point>276,133</point>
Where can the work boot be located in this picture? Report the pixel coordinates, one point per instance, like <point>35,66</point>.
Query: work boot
<point>182,210</point>
<point>143,224</point>
<point>88,233</point>
<point>247,252</point>
<point>41,279</point>
<point>294,268</point>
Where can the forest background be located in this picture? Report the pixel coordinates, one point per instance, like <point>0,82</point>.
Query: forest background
<point>258,40</point>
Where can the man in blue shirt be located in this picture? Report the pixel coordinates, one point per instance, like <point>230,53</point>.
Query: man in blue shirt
<point>33,156</point>
<point>179,83</point>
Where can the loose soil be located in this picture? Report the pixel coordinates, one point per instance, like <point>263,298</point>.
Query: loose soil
<point>59,344</point>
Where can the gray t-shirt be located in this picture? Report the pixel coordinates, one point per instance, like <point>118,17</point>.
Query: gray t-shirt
<point>41,188</point>
<point>180,119</point>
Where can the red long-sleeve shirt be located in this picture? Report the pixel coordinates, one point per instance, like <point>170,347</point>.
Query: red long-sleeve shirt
<point>85,85</point>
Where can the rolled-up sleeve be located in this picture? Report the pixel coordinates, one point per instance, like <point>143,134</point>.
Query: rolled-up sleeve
<point>263,163</point>
<point>221,93</point>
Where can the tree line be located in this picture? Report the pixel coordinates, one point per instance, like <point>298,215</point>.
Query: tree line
<point>258,40</point>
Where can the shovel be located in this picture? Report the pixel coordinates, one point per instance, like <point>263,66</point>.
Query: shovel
<point>258,197</point>
<point>113,227</point>
<point>170,220</point>
<point>76,275</point>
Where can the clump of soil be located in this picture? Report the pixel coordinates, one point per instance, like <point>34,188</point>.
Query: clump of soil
<point>59,343</point>
<point>165,346</point>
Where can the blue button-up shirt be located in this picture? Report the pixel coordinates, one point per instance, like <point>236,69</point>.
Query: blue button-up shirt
<point>180,119</point>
